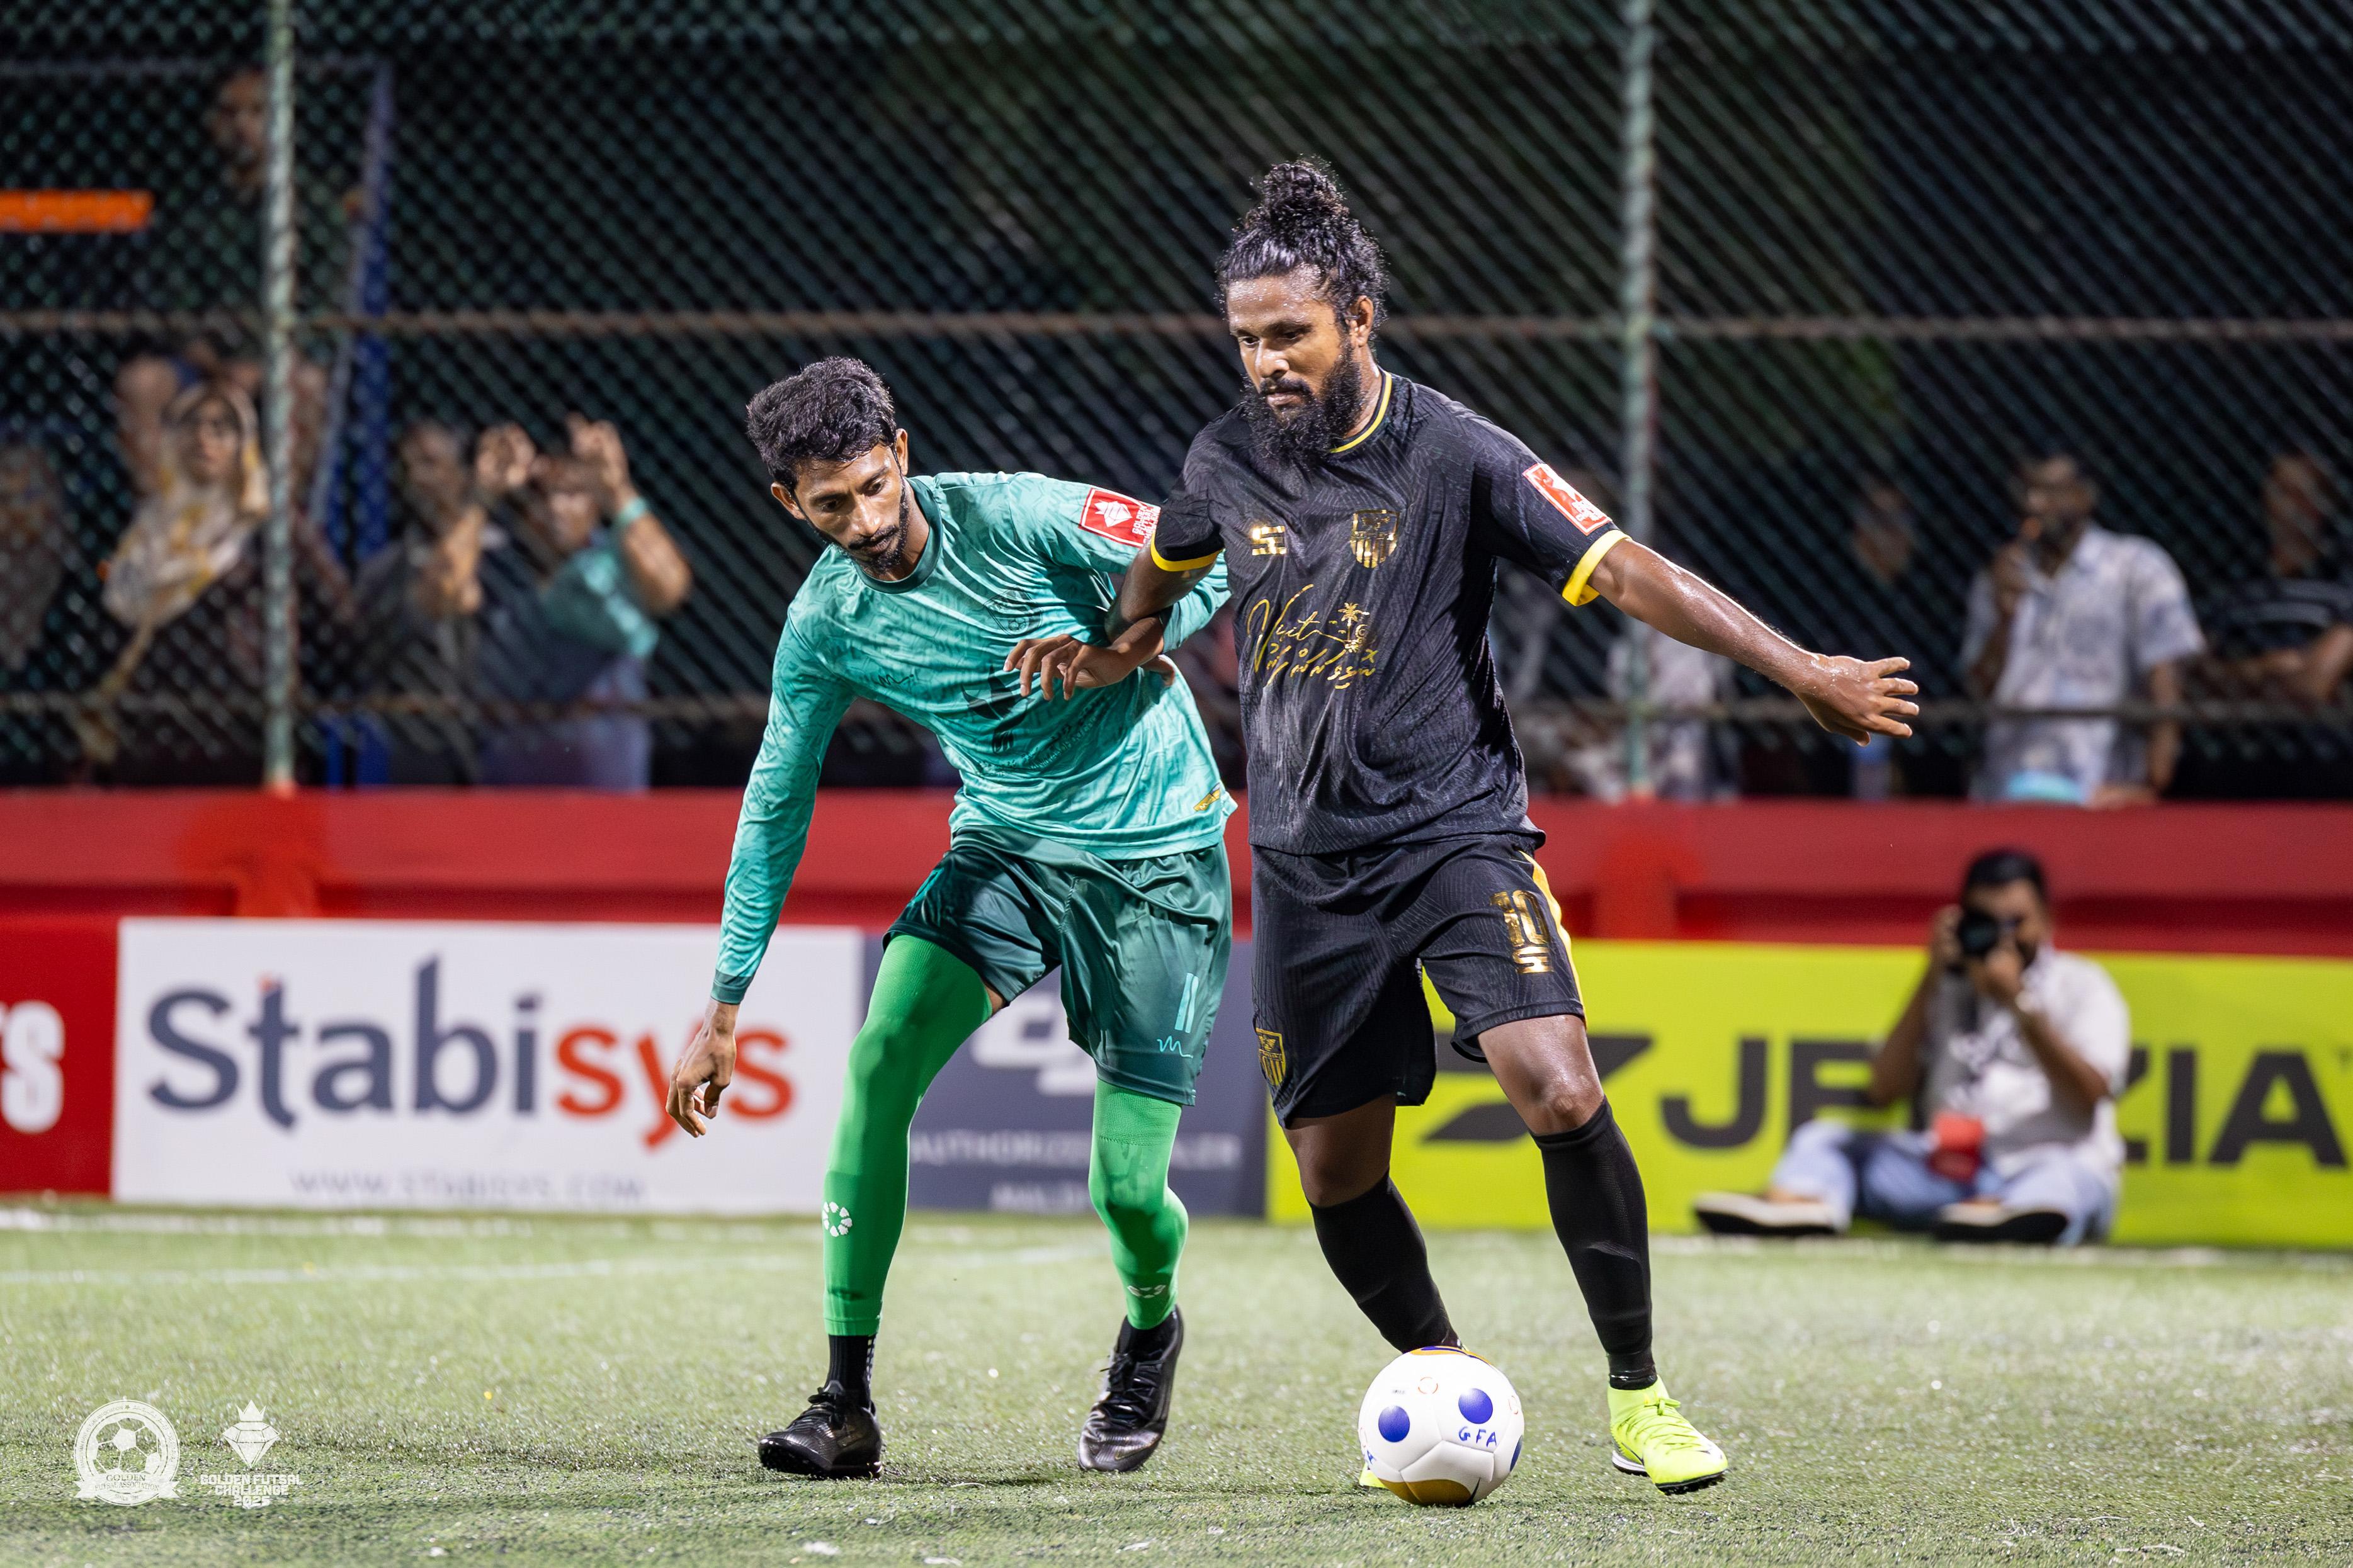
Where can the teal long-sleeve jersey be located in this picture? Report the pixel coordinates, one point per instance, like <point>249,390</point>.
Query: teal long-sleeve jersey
<point>1122,772</point>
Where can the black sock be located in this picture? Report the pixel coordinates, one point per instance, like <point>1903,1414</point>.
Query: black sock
<point>1595,1190</point>
<point>1145,1343</point>
<point>849,1366</point>
<point>1375,1252</point>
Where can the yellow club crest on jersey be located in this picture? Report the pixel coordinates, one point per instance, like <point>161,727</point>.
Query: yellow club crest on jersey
<point>1372,536</point>
<point>1270,1059</point>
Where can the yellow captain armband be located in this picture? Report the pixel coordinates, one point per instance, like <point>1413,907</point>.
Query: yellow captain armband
<point>1167,566</point>
<point>1579,590</point>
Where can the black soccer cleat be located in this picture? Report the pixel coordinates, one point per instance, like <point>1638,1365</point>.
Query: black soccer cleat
<point>834,1438</point>
<point>1125,1426</point>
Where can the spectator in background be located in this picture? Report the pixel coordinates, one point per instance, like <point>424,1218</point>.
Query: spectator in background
<point>420,600</point>
<point>2069,614</point>
<point>1880,534</point>
<point>2012,1054</point>
<point>185,581</point>
<point>1881,540</point>
<point>2285,637</point>
<point>43,581</point>
<point>36,553</point>
<point>207,257</point>
<point>2289,633</point>
<point>568,608</point>
<point>1681,758</point>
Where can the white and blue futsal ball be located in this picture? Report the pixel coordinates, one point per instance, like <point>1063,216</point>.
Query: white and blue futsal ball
<point>1440,1426</point>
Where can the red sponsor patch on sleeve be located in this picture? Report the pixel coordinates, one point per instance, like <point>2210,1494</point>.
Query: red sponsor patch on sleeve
<point>1119,517</point>
<point>1588,517</point>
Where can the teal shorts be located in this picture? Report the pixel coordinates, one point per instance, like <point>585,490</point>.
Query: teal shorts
<point>1142,945</point>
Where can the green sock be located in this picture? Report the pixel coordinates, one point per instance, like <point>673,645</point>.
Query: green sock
<point>1127,1176</point>
<point>926,1002</point>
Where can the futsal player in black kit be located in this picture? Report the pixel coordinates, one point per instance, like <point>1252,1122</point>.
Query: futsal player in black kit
<point>1362,518</point>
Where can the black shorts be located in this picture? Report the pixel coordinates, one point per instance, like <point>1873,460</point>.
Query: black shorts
<point>1340,943</point>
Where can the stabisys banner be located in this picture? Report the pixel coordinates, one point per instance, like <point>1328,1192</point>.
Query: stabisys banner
<point>426,1064</point>
<point>2236,1119</point>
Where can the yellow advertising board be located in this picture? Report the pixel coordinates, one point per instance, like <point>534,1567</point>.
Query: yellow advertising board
<point>2236,1120</point>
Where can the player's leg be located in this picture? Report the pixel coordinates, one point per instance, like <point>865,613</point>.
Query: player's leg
<point>1494,948</point>
<point>1345,1039</point>
<point>926,1002</point>
<point>1143,949</point>
<point>1127,1178</point>
<point>965,944</point>
<point>1367,1234</point>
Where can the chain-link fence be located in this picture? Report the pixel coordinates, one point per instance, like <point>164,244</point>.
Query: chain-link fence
<point>1793,286</point>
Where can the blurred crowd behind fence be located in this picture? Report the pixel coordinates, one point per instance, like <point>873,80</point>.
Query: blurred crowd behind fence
<point>1793,286</point>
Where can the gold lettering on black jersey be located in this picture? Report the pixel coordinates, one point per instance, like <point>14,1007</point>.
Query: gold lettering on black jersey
<point>1337,647</point>
<point>1525,929</point>
<point>1270,1059</point>
<point>1372,535</point>
<point>1269,539</point>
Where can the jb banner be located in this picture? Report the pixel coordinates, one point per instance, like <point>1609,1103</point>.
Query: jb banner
<point>2236,1120</point>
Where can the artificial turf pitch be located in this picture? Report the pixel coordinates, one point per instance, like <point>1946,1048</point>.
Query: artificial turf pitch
<point>560,1389</point>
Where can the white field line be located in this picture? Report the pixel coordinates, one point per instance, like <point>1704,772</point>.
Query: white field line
<point>584,1268</point>
<point>1879,1249</point>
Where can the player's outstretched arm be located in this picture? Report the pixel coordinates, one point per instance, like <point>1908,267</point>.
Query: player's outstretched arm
<point>771,830</point>
<point>1850,696</point>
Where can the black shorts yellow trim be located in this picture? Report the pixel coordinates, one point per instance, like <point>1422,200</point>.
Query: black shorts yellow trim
<point>1343,942</point>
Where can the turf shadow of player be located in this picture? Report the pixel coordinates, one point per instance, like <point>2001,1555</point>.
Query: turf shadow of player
<point>1361,517</point>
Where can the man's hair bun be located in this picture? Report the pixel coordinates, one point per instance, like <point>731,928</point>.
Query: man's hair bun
<point>1304,220</point>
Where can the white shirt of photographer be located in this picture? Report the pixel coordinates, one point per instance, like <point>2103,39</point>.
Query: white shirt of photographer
<point>1980,1065</point>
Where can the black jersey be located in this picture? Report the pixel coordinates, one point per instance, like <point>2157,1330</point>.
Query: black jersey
<point>1361,593</point>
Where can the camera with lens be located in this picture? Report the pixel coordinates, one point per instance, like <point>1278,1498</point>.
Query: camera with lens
<point>1979,933</point>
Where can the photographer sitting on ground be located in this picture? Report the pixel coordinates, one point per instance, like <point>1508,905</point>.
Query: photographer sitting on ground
<point>2012,1052</point>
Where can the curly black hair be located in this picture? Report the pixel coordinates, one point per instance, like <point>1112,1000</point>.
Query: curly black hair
<point>829,412</point>
<point>1303,220</point>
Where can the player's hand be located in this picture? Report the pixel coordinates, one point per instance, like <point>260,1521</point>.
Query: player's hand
<point>1944,937</point>
<point>704,1069</point>
<point>1082,666</point>
<point>1858,699</point>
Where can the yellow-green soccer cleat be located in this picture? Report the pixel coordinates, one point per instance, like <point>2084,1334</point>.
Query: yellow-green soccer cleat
<point>1649,1437</point>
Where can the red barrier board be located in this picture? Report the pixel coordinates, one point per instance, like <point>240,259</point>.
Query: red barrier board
<point>57,1055</point>
<point>2253,879</point>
